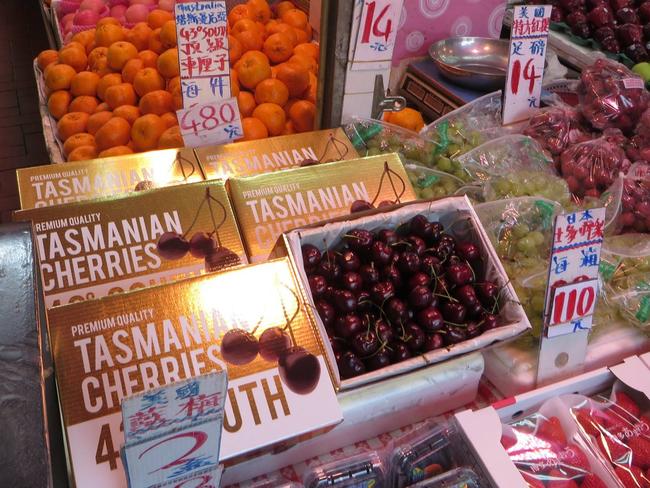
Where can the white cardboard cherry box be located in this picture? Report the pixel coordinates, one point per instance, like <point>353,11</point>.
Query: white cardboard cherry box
<point>482,429</point>
<point>455,213</point>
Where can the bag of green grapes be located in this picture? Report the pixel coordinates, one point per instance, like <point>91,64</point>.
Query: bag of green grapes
<point>625,276</point>
<point>371,137</point>
<point>521,230</point>
<point>508,155</point>
<point>429,183</point>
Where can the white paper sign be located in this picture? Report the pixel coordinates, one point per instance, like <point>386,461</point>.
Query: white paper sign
<point>203,57</point>
<point>573,271</point>
<point>215,122</point>
<point>528,41</point>
<point>377,30</point>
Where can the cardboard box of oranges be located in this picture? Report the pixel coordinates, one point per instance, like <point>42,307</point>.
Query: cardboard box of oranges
<point>112,90</point>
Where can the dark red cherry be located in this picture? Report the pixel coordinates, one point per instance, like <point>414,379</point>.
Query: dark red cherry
<point>325,312</point>
<point>460,274</point>
<point>359,240</point>
<point>365,343</point>
<point>347,326</point>
<point>221,258</point>
<point>384,331</point>
<point>299,370</point>
<point>466,295</point>
<point>473,329</point>
<point>364,302</point>
<point>360,206</point>
<point>433,342</point>
<point>330,269</point>
<point>348,260</point>
<point>488,293</point>
<point>468,251</point>
<point>430,319</point>
<point>627,15</point>
<point>603,33</point>
<point>310,255</point>
<point>453,312</point>
<point>345,301</point>
<point>415,244</point>
<point>385,203</point>
<point>350,365</point>
<point>369,274</point>
<point>239,347</point>
<point>396,310</point>
<point>172,246</point>
<point>431,265</point>
<point>454,335</point>
<point>201,244</point>
<point>352,281</point>
<point>399,351</point>
<point>387,236</point>
<point>379,360</point>
<point>489,321</point>
<point>408,262</point>
<point>317,285</point>
<point>273,342</point>
<point>420,297</point>
<point>475,311</point>
<point>392,274</point>
<point>419,279</point>
<point>421,227</point>
<point>380,252</point>
<point>414,337</point>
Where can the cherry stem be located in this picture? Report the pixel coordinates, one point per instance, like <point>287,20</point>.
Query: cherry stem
<point>196,216</point>
<point>179,160</point>
<point>289,321</point>
<point>334,142</point>
<point>210,199</point>
<point>257,326</point>
<point>399,195</point>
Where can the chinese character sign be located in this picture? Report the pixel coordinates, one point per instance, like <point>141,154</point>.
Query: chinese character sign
<point>215,122</point>
<point>201,31</point>
<point>377,30</point>
<point>573,271</point>
<point>528,39</point>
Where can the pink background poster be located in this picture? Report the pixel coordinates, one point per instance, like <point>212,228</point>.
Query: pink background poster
<point>425,21</point>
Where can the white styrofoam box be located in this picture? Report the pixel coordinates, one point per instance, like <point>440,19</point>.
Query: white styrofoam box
<point>482,429</point>
<point>456,212</point>
<point>379,408</point>
<point>646,359</point>
<point>513,370</point>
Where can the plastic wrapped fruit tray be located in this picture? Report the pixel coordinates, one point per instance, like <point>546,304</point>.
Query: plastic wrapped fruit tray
<point>590,43</point>
<point>458,218</point>
<point>54,147</point>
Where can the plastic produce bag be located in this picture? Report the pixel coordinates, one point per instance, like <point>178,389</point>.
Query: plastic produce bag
<point>527,183</point>
<point>591,167</point>
<point>638,147</point>
<point>506,155</point>
<point>631,194</point>
<point>371,137</point>
<point>429,183</point>
<point>611,96</point>
<point>555,128</point>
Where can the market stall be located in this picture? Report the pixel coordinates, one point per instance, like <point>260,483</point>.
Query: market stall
<point>337,253</point>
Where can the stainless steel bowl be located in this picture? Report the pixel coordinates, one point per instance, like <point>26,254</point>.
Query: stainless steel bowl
<point>473,62</point>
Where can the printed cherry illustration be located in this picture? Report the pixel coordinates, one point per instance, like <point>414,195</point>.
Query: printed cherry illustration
<point>145,185</point>
<point>273,343</point>
<point>221,258</point>
<point>299,370</point>
<point>202,244</point>
<point>339,146</point>
<point>239,347</point>
<point>363,205</point>
<point>172,246</point>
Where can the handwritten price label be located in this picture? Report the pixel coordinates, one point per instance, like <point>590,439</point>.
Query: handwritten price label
<point>573,306</point>
<point>376,34</point>
<point>215,122</point>
<point>528,40</point>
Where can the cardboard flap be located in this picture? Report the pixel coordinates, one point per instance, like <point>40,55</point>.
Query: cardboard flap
<point>634,373</point>
<point>482,429</point>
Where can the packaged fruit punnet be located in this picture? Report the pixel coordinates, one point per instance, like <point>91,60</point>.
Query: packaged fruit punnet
<point>429,183</point>
<point>590,167</point>
<point>521,231</point>
<point>371,137</point>
<point>548,451</point>
<point>398,289</point>
<point>618,428</point>
<point>368,469</point>
<point>505,155</point>
<point>612,96</point>
<point>554,128</point>
<point>625,277</point>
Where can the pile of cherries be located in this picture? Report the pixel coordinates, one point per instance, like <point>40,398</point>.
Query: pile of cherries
<point>393,294</point>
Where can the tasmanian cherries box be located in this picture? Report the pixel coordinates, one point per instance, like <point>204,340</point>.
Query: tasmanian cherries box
<point>400,288</point>
<point>268,205</point>
<point>275,153</point>
<point>252,322</point>
<point>96,248</point>
<point>44,186</point>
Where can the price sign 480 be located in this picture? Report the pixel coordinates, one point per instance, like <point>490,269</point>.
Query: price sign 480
<point>208,117</point>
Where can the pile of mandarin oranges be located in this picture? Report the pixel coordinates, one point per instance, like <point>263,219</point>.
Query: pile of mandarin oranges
<point>115,91</point>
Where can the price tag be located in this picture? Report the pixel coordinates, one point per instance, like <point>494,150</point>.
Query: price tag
<point>203,58</point>
<point>215,122</point>
<point>573,272</point>
<point>528,41</point>
<point>173,433</point>
<point>377,30</point>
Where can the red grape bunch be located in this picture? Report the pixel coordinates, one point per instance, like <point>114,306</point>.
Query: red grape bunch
<point>362,205</point>
<point>386,296</point>
<point>202,245</point>
<point>298,368</point>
